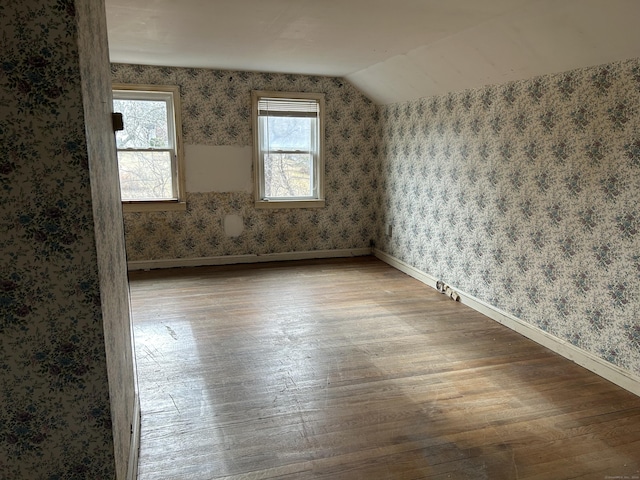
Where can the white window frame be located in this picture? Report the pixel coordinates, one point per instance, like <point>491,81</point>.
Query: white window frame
<point>316,200</point>
<point>171,95</point>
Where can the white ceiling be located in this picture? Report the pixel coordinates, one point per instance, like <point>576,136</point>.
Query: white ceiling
<point>392,50</point>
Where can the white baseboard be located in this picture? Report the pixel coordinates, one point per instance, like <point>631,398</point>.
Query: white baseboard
<point>134,447</point>
<point>235,259</point>
<point>597,365</point>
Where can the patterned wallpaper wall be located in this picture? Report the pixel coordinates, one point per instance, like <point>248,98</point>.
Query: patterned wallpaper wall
<point>526,195</point>
<point>54,399</point>
<point>216,112</point>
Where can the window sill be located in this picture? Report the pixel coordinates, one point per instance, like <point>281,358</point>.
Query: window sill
<point>289,204</point>
<point>153,206</point>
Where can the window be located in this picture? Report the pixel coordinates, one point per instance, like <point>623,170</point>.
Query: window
<point>150,147</point>
<point>288,136</point>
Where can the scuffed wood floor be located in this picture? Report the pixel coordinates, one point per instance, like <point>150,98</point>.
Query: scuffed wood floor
<point>349,369</point>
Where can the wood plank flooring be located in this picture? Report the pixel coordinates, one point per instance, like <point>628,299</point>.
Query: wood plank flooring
<point>349,369</point>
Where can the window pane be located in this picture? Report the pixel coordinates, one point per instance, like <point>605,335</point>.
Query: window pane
<point>145,175</point>
<point>288,133</point>
<point>145,124</point>
<point>288,175</point>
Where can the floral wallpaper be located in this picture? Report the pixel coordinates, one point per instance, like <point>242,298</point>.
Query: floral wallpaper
<point>526,195</point>
<point>216,112</point>
<point>55,421</point>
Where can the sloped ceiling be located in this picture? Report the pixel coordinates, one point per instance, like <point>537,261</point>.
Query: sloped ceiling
<point>392,50</point>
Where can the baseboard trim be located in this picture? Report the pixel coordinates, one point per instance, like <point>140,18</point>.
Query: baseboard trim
<point>236,259</point>
<point>614,374</point>
<point>134,448</point>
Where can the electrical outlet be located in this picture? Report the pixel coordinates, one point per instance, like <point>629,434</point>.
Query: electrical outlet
<point>389,230</point>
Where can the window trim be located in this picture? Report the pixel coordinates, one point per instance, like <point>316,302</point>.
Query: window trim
<point>178,167</point>
<point>319,200</point>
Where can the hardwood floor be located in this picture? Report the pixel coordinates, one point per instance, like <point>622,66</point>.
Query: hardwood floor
<point>349,369</point>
